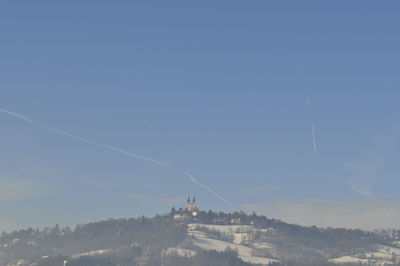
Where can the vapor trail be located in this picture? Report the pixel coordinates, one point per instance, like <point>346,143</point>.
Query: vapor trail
<point>184,172</point>
<point>314,137</point>
<point>308,103</point>
<point>115,149</point>
<point>313,134</point>
<point>19,116</point>
<point>65,133</point>
<point>26,119</point>
<point>194,180</point>
<point>138,156</point>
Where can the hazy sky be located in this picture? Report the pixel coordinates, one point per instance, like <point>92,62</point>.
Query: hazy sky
<point>287,108</point>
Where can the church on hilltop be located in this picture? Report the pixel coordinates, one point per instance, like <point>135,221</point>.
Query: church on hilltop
<point>191,206</point>
<point>189,213</point>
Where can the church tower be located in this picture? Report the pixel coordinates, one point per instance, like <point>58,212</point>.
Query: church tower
<point>191,205</point>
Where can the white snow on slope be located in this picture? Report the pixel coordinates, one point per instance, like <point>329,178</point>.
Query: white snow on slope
<point>183,252</point>
<point>99,252</point>
<point>348,259</point>
<point>381,256</point>
<point>396,243</point>
<point>223,228</point>
<point>245,253</point>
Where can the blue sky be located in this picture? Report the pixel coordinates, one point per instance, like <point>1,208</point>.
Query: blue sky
<point>218,89</point>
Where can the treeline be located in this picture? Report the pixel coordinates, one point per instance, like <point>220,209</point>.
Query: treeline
<point>330,241</point>
<point>228,257</point>
<point>143,239</point>
<point>202,258</point>
<point>123,236</point>
<point>304,241</point>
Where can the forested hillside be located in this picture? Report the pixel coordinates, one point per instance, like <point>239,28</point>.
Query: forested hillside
<point>162,240</point>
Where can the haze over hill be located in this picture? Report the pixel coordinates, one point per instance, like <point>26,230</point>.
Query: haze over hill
<point>190,236</point>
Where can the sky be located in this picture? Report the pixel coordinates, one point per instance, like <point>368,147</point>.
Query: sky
<point>289,109</point>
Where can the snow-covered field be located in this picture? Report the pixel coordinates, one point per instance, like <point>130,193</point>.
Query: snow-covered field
<point>348,259</point>
<point>396,243</point>
<point>381,256</point>
<point>223,228</point>
<point>180,252</point>
<point>247,254</point>
<point>99,252</point>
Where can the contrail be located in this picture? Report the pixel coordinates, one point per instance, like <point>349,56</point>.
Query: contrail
<point>138,156</point>
<point>26,119</point>
<point>65,133</point>
<point>184,172</point>
<point>127,153</point>
<point>194,180</point>
<point>313,135</point>
<point>19,116</point>
<point>308,103</point>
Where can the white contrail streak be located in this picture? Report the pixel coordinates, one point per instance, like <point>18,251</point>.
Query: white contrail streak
<point>184,172</point>
<point>115,149</point>
<point>194,180</point>
<point>19,116</point>
<point>26,119</point>
<point>308,103</point>
<point>313,134</point>
<point>314,137</point>
<point>138,156</point>
<point>65,133</point>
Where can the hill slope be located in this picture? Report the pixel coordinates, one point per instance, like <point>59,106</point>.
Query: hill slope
<point>208,239</point>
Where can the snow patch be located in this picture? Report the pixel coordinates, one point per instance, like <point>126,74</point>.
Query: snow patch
<point>99,252</point>
<point>223,228</point>
<point>183,252</point>
<point>245,253</point>
<point>382,256</point>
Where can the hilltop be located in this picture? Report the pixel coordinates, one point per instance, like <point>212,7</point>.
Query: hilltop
<point>194,237</point>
